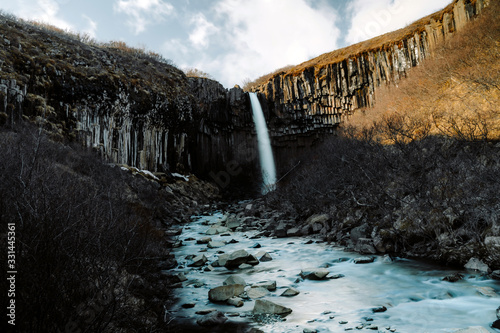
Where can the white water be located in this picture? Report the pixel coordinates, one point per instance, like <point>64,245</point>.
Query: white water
<point>265,151</point>
<point>416,297</point>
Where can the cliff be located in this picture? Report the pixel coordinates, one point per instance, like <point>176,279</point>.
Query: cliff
<point>319,93</point>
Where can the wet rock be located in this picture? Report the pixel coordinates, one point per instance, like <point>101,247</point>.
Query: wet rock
<point>188,305</point>
<point>477,265</point>
<point>213,245</point>
<point>268,307</point>
<point>205,311</point>
<point>198,261</point>
<point>237,258</point>
<point>234,279</point>
<point>379,309</point>
<point>212,319</point>
<point>486,291</point>
<point>293,232</point>
<point>315,274</point>
<point>280,230</point>
<point>269,285</point>
<point>209,268</point>
<point>221,260</point>
<point>364,260</point>
<point>233,222</point>
<point>336,276</point>
<point>204,240</point>
<point>256,246</point>
<point>365,246</point>
<point>495,274</point>
<point>223,293</point>
<point>257,292</point>
<point>498,313</point>
<point>453,277</point>
<point>496,324</point>
<point>308,330</point>
<point>235,301</point>
<point>216,229</point>
<point>289,292</point>
<point>264,256</point>
<point>180,277</point>
<point>245,266</point>
<point>252,260</point>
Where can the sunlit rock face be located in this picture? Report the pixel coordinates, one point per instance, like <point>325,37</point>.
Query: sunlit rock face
<point>320,93</point>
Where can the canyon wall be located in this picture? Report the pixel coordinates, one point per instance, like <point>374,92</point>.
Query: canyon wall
<point>323,91</point>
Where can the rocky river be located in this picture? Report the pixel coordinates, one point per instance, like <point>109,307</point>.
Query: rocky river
<point>230,278</point>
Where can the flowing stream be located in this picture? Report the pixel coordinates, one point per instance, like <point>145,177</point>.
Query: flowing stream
<point>416,297</point>
<point>267,166</point>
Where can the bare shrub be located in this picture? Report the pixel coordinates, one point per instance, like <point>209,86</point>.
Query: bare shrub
<point>79,241</point>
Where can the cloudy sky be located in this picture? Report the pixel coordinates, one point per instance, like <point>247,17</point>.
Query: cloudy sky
<point>232,40</point>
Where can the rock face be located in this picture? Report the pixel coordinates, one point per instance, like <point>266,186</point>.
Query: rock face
<point>318,94</point>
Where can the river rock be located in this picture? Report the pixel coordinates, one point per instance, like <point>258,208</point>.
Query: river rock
<point>204,240</point>
<point>293,232</point>
<point>477,265</point>
<point>280,230</point>
<point>216,229</point>
<point>264,256</point>
<point>212,319</point>
<point>252,260</point>
<point>234,279</point>
<point>290,292</point>
<point>269,285</point>
<point>498,313</point>
<point>180,277</point>
<point>359,232</point>
<point>214,245</point>
<point>314,274</point>
<point>364,260</point>
<point>496,324</point>
<point>221,260</point>
<point>237,258</point>
<point>233,222</point>
<point>453,277</point>
<point>205,311</point>
<point>365,246</point>
<point>486,291</point>
<point>268,307</point>
<point>235,301</point>
<point>257,292</point>
<point>379,309</point>
<point>495,274</point>
<point>245,266</point>
<point>223,293</point>
<point>198,261</point>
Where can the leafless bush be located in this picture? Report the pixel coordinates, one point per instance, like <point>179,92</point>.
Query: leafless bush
<point>79,241</point>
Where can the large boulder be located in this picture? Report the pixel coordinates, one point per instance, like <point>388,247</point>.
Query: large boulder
<point>233,222</point>
<point>314,274</point>
<point>264,256</point>
<point>364,260</point>
<point>223,293</point>
<point>212,319</point>
<point>280,230</point>
<point>365,246</point>
<point>292,232</point>
<point>477,265</point>
<point>237,258</point>
<point>268,307</point>
<point>359,232</point>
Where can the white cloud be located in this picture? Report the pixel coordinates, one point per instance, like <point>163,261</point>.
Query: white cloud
<point>264,35</point>
<point>202,31</point>
<point>371,18</point>
<point>143,12</point>
<point>46,11</point>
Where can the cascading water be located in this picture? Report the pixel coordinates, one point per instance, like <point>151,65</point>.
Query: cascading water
<point>265,151</point>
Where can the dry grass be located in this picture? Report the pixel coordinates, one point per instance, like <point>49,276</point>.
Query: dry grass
<point>455,93</point>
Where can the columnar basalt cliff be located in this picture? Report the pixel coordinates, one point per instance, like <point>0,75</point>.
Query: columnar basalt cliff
<point>319,93</point>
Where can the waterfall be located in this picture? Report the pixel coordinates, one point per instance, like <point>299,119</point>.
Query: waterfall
<point>265,151</point>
